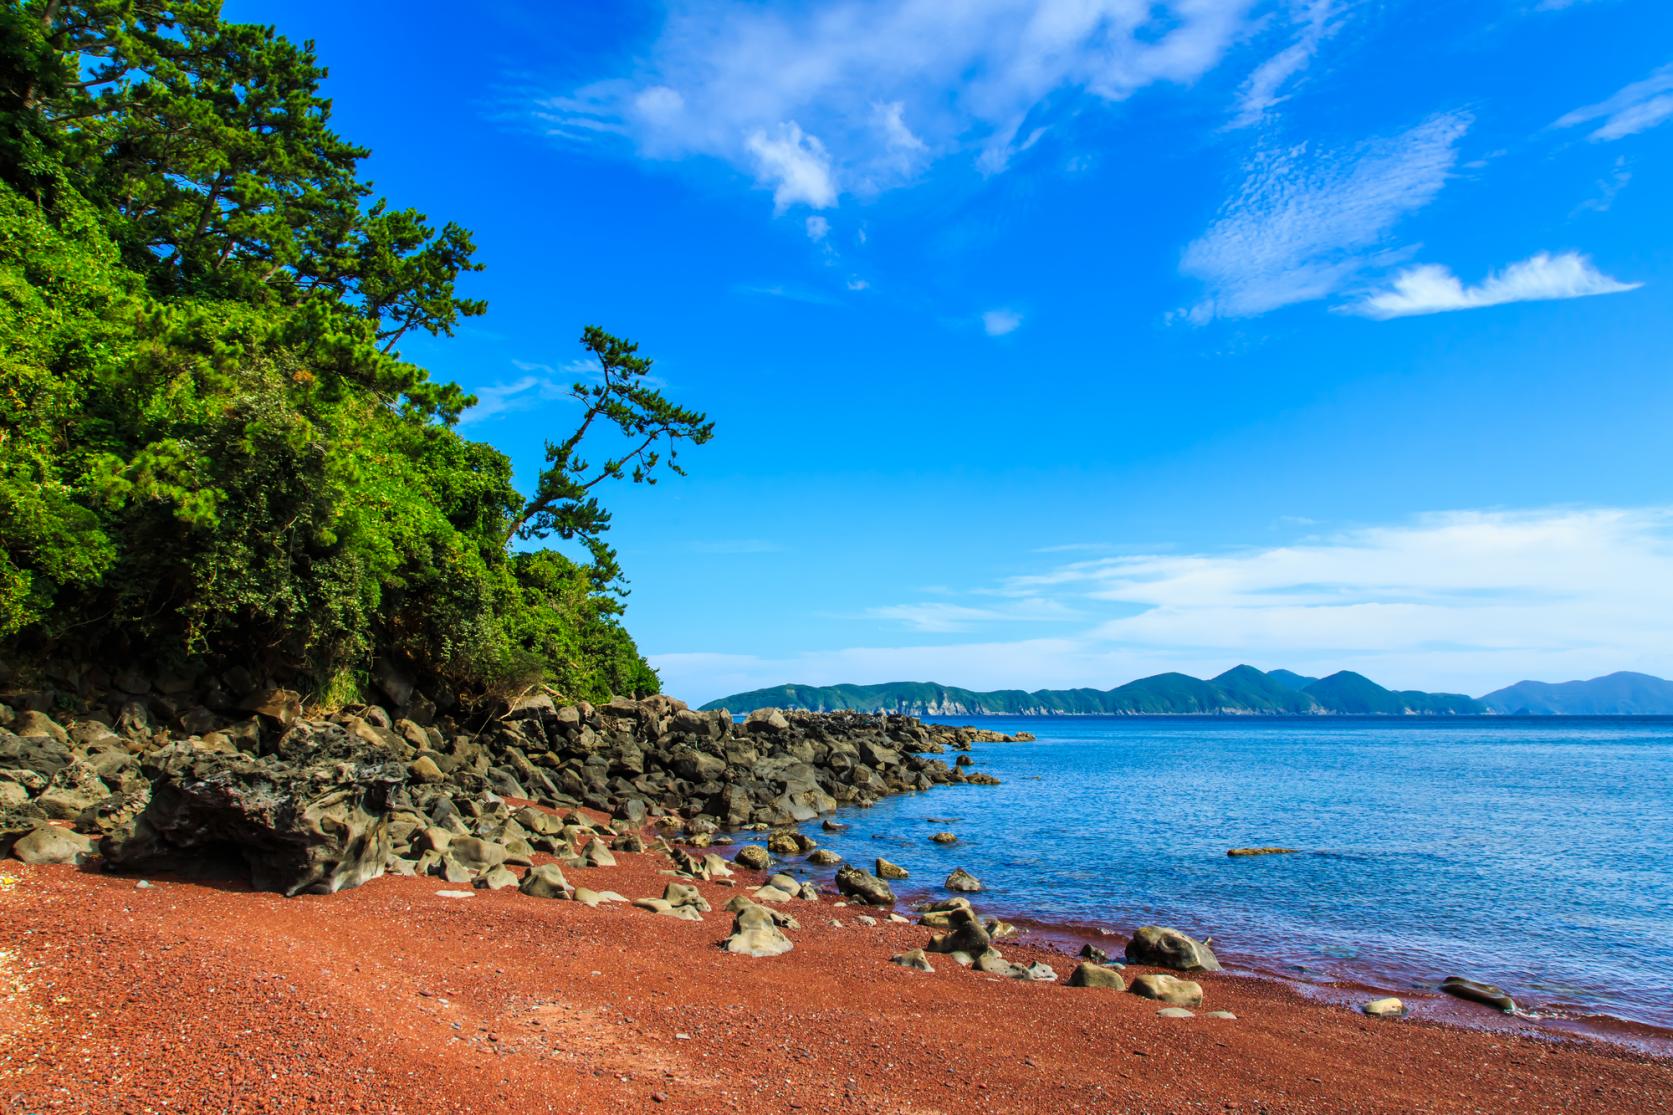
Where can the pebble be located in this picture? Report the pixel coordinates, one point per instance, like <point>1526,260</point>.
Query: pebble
<point>455,894</point>
<point>1174,1012</point>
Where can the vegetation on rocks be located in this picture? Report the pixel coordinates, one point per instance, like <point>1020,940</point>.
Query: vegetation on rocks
<point>211,447</point>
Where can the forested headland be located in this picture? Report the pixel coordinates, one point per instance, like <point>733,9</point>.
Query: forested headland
<point>212,452</point>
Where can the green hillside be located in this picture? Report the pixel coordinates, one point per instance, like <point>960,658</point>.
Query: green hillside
<point>1241,690</point>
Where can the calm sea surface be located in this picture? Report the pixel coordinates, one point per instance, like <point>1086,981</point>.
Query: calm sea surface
<point>1535,854</point>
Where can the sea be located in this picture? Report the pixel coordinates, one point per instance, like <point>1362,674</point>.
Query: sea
<point>1532,853</point>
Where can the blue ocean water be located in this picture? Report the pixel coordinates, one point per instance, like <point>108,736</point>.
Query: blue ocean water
<point>1532,853</point>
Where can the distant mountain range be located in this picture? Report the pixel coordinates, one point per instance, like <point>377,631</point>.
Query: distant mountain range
<point>1242,690</point>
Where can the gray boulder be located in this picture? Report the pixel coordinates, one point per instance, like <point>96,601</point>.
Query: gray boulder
<point>545,881</point>
<point>864,887</point>
<point>1169,948</point>
<point>1168,989</point>
<point>1087,974</point>
<point>887,870</point>
<point>753,857</point>
<point>755,934</point>
<point>913,959</point>
<point>50,844</point>
<point>964,934</point>
<point>963,880</point>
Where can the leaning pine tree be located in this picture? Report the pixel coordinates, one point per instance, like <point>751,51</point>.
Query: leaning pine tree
<point>211,449</point>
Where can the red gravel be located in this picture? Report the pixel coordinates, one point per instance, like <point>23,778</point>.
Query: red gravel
<point>192,997</point>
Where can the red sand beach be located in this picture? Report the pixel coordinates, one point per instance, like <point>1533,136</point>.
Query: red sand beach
<point>186,996</point>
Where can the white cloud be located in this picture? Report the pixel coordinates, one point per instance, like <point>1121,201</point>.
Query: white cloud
<point>1636,108</point>
<point>818,228</point>
<point>1265,88</point>
<point>942,616</point>
<point>860,95</point>
<point>1432,289</point>
<point>997,323</point>
<point>1304,223</point>
<point>858,285</point>
<point>795,165</point>
<point>542,384</point>
<point>1460,601</point>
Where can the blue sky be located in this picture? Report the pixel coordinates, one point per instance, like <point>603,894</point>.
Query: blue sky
<point>1061,343</point>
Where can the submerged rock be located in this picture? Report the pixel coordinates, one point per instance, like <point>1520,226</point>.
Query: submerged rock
<point>1261,852</point>
<point>1484,993</point>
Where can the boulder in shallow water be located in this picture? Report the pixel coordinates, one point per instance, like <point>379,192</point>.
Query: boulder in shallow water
<point>1169,948</point>
<point>1484,993</point>
<point>944,838</point>
<point>1261,852</point>
<point>1168,989</point>
<point>963,880</point>
<point>754,857</point>
<point>863,886</point>
<point>887,870</point>
<point>823,857</point>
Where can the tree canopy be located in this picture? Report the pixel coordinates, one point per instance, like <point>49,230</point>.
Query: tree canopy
<point>210,445</point>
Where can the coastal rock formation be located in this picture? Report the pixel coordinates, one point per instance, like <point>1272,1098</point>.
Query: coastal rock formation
<point>1169,948</point>
<point>963,880</point>
<point>1168,989</point>
<point>316,805</point>
<point>310,817</point>
<point>753,856</point>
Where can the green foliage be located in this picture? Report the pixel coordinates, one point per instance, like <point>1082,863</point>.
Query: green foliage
<point>209,445</point>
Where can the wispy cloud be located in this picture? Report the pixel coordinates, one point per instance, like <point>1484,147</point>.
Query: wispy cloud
<point>997,323</point>
<point>1304,223</point>
<point>1316,21</point>
<point>1466,600</point>
<point>818,228</point>
<point>1433,289</point>
<point>814,101</point>
<point>540,385</point>
<point>1636,108</point>
<point>942,616</point>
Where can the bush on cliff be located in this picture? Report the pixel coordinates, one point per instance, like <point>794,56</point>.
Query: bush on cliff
<point>210,446</point>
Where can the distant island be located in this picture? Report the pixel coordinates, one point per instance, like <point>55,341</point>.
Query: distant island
<point>1240,691</point>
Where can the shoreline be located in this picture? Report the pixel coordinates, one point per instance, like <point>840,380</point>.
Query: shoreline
<point>391,996</point>
<point>1345,989</point>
